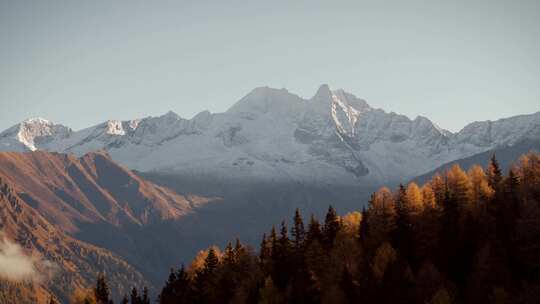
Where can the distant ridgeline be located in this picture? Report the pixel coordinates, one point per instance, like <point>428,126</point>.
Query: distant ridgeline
<point>462,237</point>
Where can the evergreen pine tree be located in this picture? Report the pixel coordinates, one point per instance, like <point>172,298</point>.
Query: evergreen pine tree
<point>135,297</point>
<point>239,251</point>
<point>183,289</point>
<point>284,241</point>
<point>167,292</point>
<point>448,256</point>
<point>265,253</point>
<point>145,297</point>
<point>512,190</point>
<point>228,256</point>
<point>363,227</point>
<point>402,236</point>
<point>494,173</point>
<point>206,278</point>
<point>331,228</point>
<point>314,231</point>
<point>281,256</point>
<point>298,231</point>
<point>177,289</point>
<point>229,272</point>
<point>273,239</point>
<point>102,290</point>
<point>211,262</point>
<point>511,201</point>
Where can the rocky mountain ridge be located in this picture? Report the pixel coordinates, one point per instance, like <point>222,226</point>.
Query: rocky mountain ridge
<point>95,212</point>
<point>274,135</point>
<point>62,263</point>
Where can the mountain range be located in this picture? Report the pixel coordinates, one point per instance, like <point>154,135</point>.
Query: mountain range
<point>136,197</point>
<point>274,135</point>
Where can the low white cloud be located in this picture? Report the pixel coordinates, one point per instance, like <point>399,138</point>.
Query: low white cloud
<point>16,265</point>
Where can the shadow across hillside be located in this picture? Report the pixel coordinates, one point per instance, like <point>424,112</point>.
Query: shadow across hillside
<point>248,209</point>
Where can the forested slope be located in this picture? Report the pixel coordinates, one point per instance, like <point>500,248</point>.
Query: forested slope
<point>462,237</point>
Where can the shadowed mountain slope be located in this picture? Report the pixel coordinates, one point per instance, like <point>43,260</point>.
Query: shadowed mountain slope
<point>506,156</point>
<point>95,200</point>
<point>70,190</point>
<point>61,263</point>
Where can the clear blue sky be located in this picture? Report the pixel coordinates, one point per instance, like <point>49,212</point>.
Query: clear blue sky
<point>80,63</point>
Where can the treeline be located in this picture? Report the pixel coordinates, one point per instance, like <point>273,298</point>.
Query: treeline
<point>463,237</point>
<point>101,294</point>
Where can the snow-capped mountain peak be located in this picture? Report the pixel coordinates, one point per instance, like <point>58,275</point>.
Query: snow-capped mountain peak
<point>114,127</point>
<point>272,134</point>
<point>133,124</point>
<point>27,134</point>
<point>120,128</point>
<point>346,111</point>
<point>323,93</point>
<point>267,100</point>
<point>32,128</point>
<point>171,116</point>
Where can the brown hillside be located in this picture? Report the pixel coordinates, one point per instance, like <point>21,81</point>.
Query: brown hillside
<point>69,190</point>
<point>65,263</point>
<point>97,201</point>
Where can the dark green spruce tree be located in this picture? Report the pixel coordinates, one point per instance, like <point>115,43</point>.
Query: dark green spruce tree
<point>281,257</point>
<point>135,297</point>
<point>402,239</point>
<point>332,225</point>
<point>314,231</point>
<point>298,231</point>
<point>265,254</point>
<point>206,279</point>
<point>363,228</point>
<point>102,291</point>
<point>145,297</point>
<point>177,289</point>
